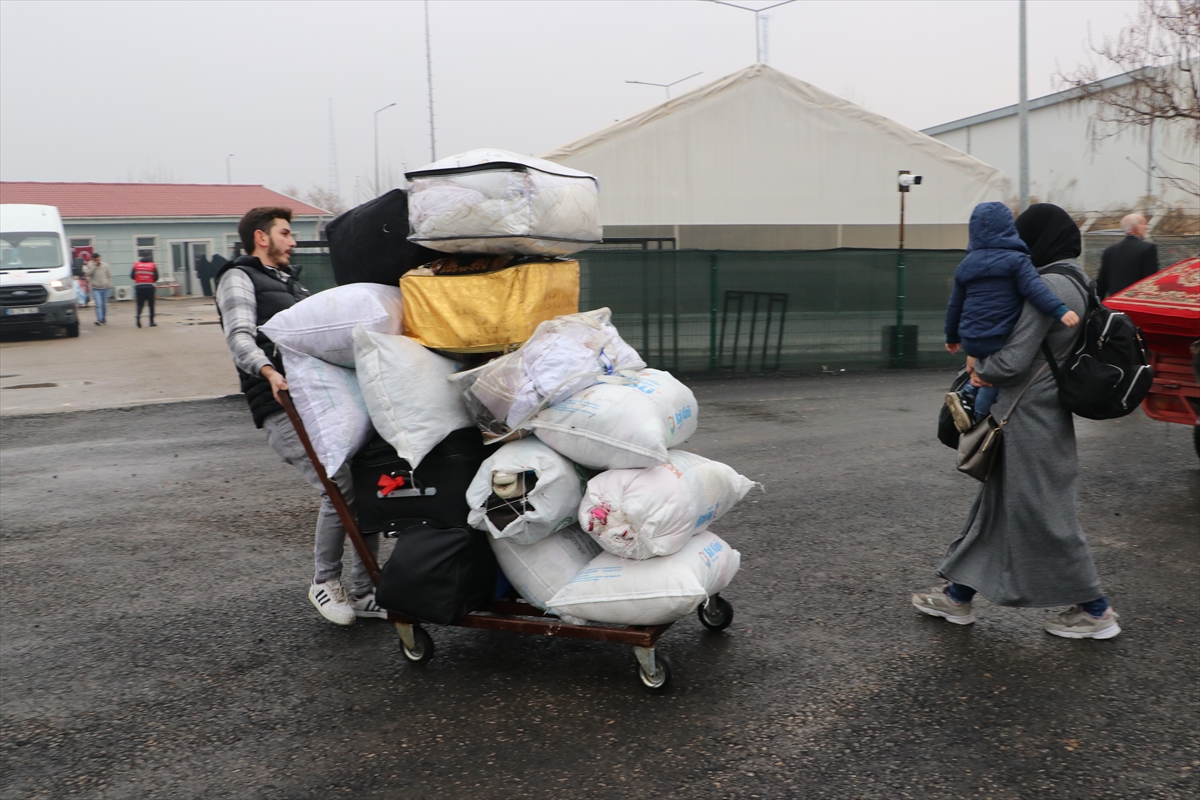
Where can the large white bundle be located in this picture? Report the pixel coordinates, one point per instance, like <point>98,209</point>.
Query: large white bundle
<point>323,325</point>
<point>563,356</point>
<point>331,406</point>
<point>642,513</point>
<point>621,422</point>
<point>404,386</point>
<point>497,201</point>
<point>552,502</point>
<point>652,592</point>
<point>537,571</point>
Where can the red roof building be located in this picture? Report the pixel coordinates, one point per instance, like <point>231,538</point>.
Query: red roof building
<point>96,200</point>
<point>181,226</point>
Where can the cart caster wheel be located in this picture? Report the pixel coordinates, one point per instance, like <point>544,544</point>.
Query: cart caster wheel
<point>661,679</point>
<point>716,614</point>
<point>422,649</point>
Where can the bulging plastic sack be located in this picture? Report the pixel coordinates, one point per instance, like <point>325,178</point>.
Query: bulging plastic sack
<point>621,591</point>
<point>323,325</point>
<point>621,422</point>
<point>406,393</point>
<point>539,570</point>
<point>331,406</point>
<point>642,513</point>
<point>497,201</point>
<point>563,356</point>
<point>524,492</point>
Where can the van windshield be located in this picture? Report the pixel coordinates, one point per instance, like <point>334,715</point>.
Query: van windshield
<point>38,250</point>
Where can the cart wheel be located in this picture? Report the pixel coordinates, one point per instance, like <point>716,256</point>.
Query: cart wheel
<point>422,649</point>
<point>661,679</point>
<point>716,614</point>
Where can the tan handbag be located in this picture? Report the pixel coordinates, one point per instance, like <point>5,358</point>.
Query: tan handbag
<point>979,448</point>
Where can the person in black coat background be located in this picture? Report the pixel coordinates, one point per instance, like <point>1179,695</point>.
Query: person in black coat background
<point>1129,260</point>
<point>204,273</point>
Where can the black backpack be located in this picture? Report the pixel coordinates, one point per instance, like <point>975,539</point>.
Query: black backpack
<point>369,243</point>
<point>1107,372</point>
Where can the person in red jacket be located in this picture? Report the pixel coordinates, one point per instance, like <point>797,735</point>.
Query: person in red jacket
<point>144,275</point>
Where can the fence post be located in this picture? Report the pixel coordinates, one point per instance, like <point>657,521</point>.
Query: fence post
<point>712,311</point>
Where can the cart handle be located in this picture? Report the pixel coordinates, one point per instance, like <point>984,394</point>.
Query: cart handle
<point>333,491</point>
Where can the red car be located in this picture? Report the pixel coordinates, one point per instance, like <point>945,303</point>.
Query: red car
<point>1166,306</point>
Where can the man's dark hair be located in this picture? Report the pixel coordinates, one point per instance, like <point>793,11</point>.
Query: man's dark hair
<point>260,219</point>
<point>95,255</point>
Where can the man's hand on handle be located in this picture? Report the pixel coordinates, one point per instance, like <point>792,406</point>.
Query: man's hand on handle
<point>276,379</point>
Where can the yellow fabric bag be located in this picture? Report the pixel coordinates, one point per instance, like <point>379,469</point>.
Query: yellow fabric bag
<point>490,311</point>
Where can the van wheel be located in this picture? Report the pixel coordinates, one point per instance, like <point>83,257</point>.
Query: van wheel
<point>73,330</point>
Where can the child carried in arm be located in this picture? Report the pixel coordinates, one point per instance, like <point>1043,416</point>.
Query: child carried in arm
<point>991,286</point>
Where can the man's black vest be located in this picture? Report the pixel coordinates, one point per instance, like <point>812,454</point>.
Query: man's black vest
<point>271,296</point>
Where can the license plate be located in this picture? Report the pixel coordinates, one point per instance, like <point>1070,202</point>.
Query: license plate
<point>12,312</point>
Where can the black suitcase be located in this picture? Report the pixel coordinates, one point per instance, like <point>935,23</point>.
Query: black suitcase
<point>369,243</point>
<point>390,496</point>
<point>437,574</point>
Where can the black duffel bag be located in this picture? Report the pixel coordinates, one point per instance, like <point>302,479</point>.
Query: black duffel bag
<point>438,575</point>
<point>369,243</point>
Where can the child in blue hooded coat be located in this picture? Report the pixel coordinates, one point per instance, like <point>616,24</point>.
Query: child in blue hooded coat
<point>990,287</point>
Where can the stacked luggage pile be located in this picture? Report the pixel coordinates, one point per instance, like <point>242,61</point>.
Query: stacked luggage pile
<point>485,422</point>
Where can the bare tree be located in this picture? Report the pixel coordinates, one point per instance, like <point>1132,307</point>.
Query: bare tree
<point>318,196</point>
<point>1159,53</point>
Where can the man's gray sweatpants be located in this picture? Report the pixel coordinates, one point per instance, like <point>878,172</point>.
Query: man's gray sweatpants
<point>331,534</point>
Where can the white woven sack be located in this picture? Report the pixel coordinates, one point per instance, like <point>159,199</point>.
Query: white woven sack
<point>642,513</point>
<point>323,325</point>
<point>656,591</point>
<point>554,498</point>
<point>537,571</point>
<point>620,422</point>
<point>563,356</point>
<point>331,406</point>
<point>404,385</point>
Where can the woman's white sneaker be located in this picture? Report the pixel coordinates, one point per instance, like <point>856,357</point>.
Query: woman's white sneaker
<point>1075,623</point>
<point>330,599</point>
<point>936,603</point>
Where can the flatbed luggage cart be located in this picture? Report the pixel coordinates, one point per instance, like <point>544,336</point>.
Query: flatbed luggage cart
<point>654,670</point>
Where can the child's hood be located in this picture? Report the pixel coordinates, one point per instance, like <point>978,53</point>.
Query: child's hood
<point>994,228</point>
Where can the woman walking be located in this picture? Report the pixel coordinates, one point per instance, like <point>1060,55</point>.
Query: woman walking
<point>1022,544</point>
<point>100,276</point>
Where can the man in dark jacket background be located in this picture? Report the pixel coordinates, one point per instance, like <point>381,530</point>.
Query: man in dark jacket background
<point>1129,260</point>
<point>250,290</point>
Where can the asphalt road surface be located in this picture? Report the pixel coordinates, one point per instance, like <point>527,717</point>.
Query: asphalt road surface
<point>157,641</point>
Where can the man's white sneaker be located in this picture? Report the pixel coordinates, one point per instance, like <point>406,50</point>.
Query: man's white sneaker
<point>366,606</point>
<point>330,599</point>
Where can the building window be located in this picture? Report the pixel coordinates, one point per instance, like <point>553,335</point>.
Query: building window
<point>81,241</point>
<point>145,246</point>
<point>233,245</point>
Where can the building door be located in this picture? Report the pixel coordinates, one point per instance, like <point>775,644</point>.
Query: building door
<point>184,258</point>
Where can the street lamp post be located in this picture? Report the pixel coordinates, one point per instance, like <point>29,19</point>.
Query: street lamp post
<point>228,172</point>
<point>667,86</point>
<point>385,108</point>
<point>758,49</point>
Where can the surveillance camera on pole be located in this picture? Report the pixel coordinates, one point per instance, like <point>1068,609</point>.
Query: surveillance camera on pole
<point>906,180</point>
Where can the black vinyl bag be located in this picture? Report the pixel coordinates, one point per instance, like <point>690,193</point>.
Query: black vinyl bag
<point>438,575</point>
<point>1107,372</point>
<point>369,243</point>
<point>390,496</point>
<point>947,431</point>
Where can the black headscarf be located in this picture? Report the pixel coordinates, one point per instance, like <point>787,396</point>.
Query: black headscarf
<point>1050,234</point>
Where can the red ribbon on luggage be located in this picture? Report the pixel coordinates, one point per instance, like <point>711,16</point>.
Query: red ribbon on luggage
<point>388,484</point>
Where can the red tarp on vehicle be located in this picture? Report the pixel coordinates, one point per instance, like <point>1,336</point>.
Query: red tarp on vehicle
<point>1166,306</point>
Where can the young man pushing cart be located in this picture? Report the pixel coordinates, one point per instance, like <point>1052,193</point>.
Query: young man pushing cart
<point>250,290</point>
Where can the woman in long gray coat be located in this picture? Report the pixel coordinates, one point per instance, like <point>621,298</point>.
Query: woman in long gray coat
<point>1022,544</point>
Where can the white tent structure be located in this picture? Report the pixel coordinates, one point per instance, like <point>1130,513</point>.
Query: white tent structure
<point>759,160</point>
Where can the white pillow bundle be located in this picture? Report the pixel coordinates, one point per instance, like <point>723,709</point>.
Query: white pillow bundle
<point>323,325</point>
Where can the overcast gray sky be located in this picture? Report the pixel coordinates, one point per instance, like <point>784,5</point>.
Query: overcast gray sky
<point>128,91</point>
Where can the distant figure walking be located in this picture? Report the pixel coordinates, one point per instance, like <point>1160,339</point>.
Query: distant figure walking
<point>145,275</point>
<point>1129,260</point>
<point>100,276</point>
<point>204,272</point>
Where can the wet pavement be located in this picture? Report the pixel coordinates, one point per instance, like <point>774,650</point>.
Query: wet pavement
<point>156,640</point>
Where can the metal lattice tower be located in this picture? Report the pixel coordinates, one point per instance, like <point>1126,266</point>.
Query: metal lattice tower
<point>334,184</point>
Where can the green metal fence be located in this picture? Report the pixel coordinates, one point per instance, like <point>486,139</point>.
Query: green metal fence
<point>692,310</point>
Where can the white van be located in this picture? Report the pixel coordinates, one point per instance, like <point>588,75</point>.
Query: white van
<point>37,289</point>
